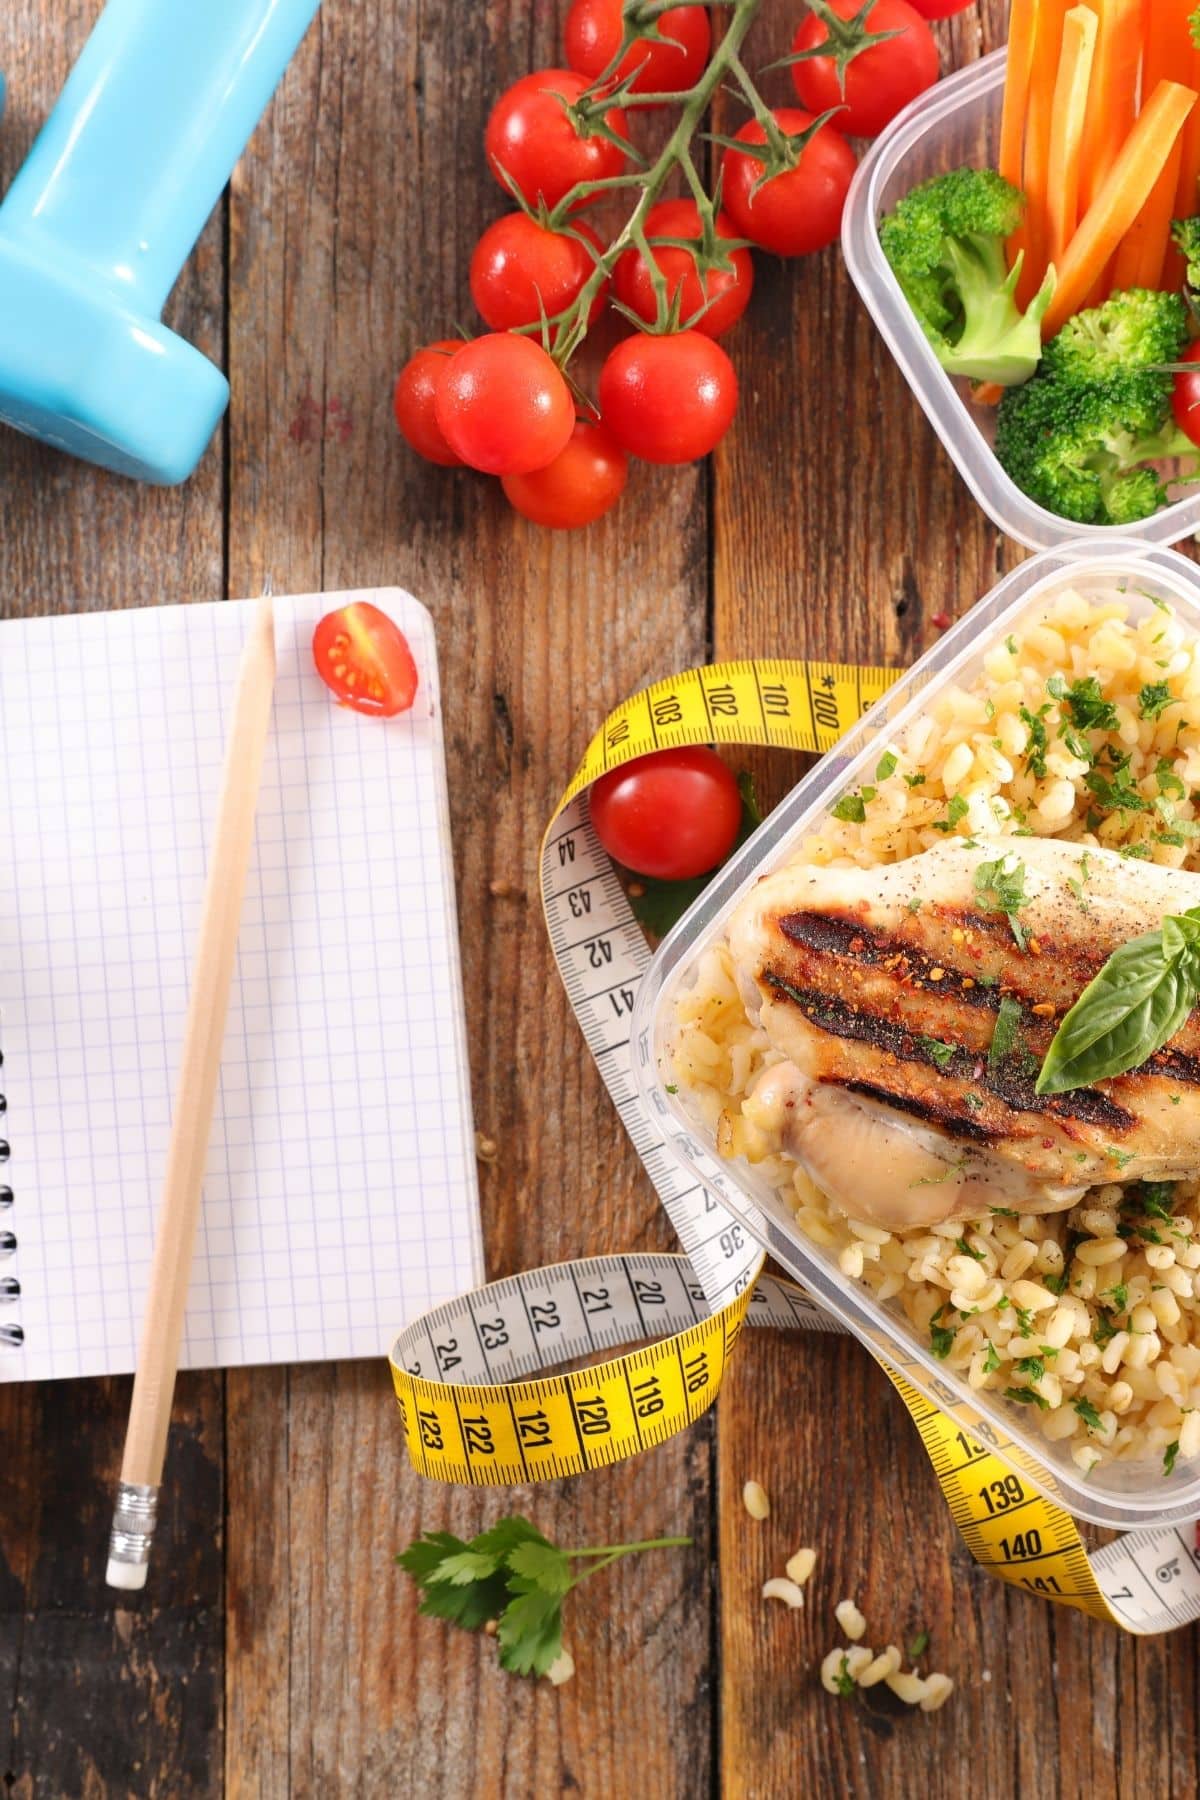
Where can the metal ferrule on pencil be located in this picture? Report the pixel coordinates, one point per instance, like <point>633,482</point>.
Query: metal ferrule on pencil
<point>132,1533</point>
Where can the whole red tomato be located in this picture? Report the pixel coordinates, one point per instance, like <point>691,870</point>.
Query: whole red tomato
<point>413,401</point>
<point>672,815</point>
<point>668,64</point>
<point>941,9</point>
<point>799,210</point>
<point>1186,400</point>
<point>668,399</point>
<point>530,137</point>
<point>521,272</point>
<point>503,406</point>
<point>728,290</point>
<point>582,483</point>
<point>880,79</point>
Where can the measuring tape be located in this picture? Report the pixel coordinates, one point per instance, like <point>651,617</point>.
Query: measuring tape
<point>479,1380</point>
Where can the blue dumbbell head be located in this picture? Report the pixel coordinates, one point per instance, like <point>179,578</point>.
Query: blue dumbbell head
<point>98,223</point>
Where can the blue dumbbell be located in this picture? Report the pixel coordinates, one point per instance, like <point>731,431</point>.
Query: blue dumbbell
<point>99,220</point>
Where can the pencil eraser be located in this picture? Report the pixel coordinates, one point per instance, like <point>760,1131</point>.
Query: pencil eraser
<point>127,1575</point>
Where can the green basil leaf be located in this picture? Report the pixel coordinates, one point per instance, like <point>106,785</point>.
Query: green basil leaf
<point>1139,1000</point>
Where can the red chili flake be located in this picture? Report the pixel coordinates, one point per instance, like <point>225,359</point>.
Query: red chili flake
<point>941,621</point>
<point>857,944</point>
<point>1047,1143</point>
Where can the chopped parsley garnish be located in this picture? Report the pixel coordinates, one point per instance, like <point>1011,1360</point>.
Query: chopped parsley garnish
<point>941,1337</point>
<point>1154,1199</point>
<point>1025,1396</point>
<point>851,809</point>
<point>1003,1212</point>
<point>991,1361</point>
<point>915,780</point>
<point>915,904</point>
<point>1000,887</point>
<point>964,1249</point>
<point>1035,754</point>
<point>1088,708</point>
<point>886,765</point>
<point>919,1646</point>
<point>1105,1329</point>
<point>1154,699</point>
<point>974,1102</point>
<point>940,1053</point>
<point>1168,781</point>
<point>1088,1414</point>
<point>1008,1040</point>
<point>1024,1320</point>
<point>1117,793</point>
<point>844,1680</point>
<point>1169,1455</point>
<point>1010,644</point>
<point>1076,888</point>
<point>1033,1366</point>
<point>1119,1296</point>
<point>671,1088</point>
<point>956,811</point>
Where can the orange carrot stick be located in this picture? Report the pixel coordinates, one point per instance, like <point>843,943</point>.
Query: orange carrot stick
<point>1187,192</point>
<point>1022,31</point>
<point>1112,99</point>
<point>1144,247</point>
<point>1066,132</point>
<point>1168,43</point>
<point>1038,125</point>
<point>1128,187</point>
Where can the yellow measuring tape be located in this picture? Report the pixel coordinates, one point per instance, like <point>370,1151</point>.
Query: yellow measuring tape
<point>479,1380</point>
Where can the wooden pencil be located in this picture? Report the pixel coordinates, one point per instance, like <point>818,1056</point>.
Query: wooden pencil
<point>196,1086</point>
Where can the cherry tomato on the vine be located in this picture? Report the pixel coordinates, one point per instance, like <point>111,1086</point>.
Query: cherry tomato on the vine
<point>1186,399</point>
<point>413,400</point>
<point>668,399</point>
<point>363,656</point>
<point>582,483</point>
<point>503,406</point>
<point>673,814</point>
<point>530,138</point>
<point>727,289</point>
<point>521,272</point>
<point>879,81</point>
<point>799,210</point>
<point>667,64</point>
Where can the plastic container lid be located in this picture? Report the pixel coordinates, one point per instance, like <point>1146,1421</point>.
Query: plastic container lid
<point>955,124</point>
<point>1121,1494</point>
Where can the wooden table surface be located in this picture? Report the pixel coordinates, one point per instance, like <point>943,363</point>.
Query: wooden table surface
<point>277,1650</point>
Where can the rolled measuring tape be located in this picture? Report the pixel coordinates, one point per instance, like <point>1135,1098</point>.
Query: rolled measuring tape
<point>484,1399</point>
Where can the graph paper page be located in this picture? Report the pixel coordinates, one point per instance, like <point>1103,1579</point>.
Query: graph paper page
<point>340,1196</point>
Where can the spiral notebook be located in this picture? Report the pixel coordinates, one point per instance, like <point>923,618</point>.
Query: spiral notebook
<point>340,1196</point>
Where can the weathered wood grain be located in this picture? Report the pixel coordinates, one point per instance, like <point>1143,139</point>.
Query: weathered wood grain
<point>351,230</point>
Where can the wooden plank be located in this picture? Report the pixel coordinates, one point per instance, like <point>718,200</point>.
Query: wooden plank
<point>351,230</point>
<point>104,1696</point>
<point>860,535</point>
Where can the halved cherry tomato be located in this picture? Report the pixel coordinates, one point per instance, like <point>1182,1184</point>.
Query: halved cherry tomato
<point>413,397</point>
<point>363,657</point>
<point>1186,399</point>
<point>673,814</point>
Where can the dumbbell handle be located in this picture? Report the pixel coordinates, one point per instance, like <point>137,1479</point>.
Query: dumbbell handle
<point>145,134</point>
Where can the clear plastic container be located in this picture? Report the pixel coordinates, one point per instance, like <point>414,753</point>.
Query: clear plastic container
<point>957,123</point>
<point>1123,1494</point>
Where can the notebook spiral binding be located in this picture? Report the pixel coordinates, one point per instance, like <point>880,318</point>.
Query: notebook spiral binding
<point>11,1336</point>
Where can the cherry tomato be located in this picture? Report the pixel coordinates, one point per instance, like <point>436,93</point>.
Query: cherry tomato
<point>881,80</point>
<point>531,138</point>
<point>593,37</point>
<point>363,656</point>
<point>673,814</point>
<point>728,289</point>
<point>800,210</point>
<point>581,484</point>
<point>503,406</point>
<point>668,399</point>
<point>940,9</point>
<point>520,271</point>
<point>413,397</point>
<point>1186,399</point>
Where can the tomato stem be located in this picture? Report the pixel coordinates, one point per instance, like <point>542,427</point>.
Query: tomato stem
<point>569,328</point>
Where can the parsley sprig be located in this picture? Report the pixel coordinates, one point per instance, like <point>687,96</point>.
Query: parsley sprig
<point>515,1576</point>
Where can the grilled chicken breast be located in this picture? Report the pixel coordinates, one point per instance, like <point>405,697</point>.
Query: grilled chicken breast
<point>882,989</point>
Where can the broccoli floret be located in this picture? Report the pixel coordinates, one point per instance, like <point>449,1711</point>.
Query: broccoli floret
<point>1134,329</point>
<point>1186,234</point>
<point>1080,450</point>
<point>945,242</point>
